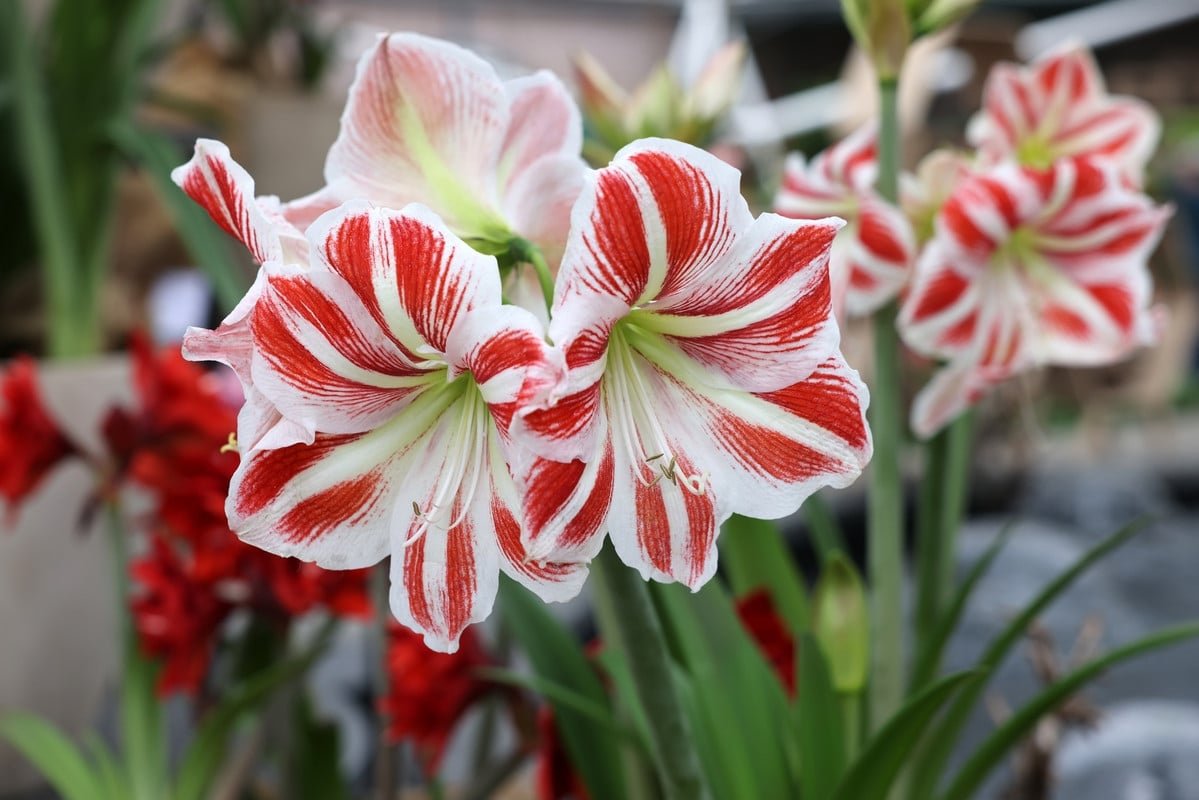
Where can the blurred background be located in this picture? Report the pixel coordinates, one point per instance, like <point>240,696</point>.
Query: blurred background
<point>124,88</point>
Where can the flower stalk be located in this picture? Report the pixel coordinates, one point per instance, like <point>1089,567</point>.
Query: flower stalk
<point>885,512</point>
<point>638,633</point>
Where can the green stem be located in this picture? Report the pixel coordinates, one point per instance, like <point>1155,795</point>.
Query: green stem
<point>386,763</point>
<point>638,634</point>
<point>885,511</point>
<point>851,719</point>
<point>530,253</point>
<point>954,496</point>
<point>823,527</point>
<point>118,549</point>
<point>942,502</point>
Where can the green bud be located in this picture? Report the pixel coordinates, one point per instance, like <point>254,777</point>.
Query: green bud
<point>842,625</point>
<point>883,29</point>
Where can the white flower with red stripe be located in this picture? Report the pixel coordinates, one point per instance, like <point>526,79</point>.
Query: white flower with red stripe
<point>226,191</point>
<point>1058,107</point>
<point>704,371</point>
<point>1030,267</point>
<point>430,122</point>
<point>873,255</point>
<point>395,350</point>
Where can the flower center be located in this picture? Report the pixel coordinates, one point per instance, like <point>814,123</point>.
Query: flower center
<point>636,426</point>
<point>466,454</point>
<point>1035,151</point>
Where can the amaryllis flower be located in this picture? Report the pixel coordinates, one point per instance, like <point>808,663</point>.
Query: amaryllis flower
<point>1030,267</point>
<point>705,376</point>
<point>32,442</point>
<point>396,352</point>
<point>872,256</point>
<point>428,693</point>
<point>1058,107</point>
<point>430,122</point>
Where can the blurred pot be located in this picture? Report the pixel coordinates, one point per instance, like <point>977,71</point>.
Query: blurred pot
<point>58,648</point>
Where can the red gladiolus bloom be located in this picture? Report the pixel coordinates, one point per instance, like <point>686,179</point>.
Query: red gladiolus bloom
<point>32,442</point>
<point>761,619</point>
<point>430,692</point>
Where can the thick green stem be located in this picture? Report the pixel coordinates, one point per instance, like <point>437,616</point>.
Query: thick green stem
<point>885,512</point>
<point>530,253</point>
<point>639,636</point>
<point>386,762</point>
<point>942,502</point>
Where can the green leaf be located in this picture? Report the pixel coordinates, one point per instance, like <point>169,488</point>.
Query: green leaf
<point>876,769</point>
<point>735,687</point>
<point>818,720</point>
<point>58,760</point>
<point>754,554</point>
<point>563,695</point>
<point>1020,724</point>
<point>556,656</point>
<point>931,762</point>
<point>108,771</point>
<point>315,773</point>
<point>207,749</point>
<point>204,241</point>
<point>929,659</point>
<point>142,740</point>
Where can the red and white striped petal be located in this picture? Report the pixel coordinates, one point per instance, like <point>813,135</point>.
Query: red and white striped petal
<point>873,256</point>
<point>772,450</point>
<point>879,255</point>
<point>507,356</point>
<point>953,389</point>
<point>424,122</point>
<point>332,501</point>
<point>652,223</point>
<point>415,278</point>
<point>226,191</point>
<point>760,318</point>
<point>1058,107</point>
<point>324,361</point>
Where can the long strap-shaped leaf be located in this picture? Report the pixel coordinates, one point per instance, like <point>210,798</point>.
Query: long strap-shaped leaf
<point>873,773</point>
<point>929,657</point>
<point>56,758</point>
<point>557,657</point>
<point>755,556</point>
<point>931,762</point>
<point>1020,724</point>
<point>818,719</point>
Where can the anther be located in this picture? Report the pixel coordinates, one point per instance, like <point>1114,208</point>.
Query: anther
<point>231,445</point>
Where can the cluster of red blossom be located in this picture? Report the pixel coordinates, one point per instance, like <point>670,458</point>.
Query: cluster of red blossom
<point>193,572</point>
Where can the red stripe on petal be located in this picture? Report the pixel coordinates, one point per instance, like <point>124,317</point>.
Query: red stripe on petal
<point>653,525</point>
<point>507,531</point>
<point>828,400</point>
<point>1065,321</point>
<point>1117,301</point>
<point>693,214</point>
<point>701,521</point>
<point>616,246</point>
<point>880,239</point>
<point>269,471</point>
<point>552,484</point>
<point>939,294</point>
<point>346,503</point>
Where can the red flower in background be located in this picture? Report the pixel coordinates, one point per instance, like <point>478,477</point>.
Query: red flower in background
<point>177,616</point>
<point>197,571</point>
<point>761,619</point>
<point>430,692</point>
<point>556,778</point>
<point>30,439</point>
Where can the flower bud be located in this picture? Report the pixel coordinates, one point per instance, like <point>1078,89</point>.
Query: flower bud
<point>882,28</point>
<point>842,625</point>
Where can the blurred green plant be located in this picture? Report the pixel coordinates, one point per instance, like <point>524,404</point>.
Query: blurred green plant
<point>660,106</point>
<point>68,86</point>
